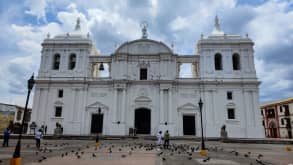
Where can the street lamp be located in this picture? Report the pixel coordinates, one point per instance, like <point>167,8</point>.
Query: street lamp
<point>203,151</point>
<point>97,137</point>
<point>16,159</point>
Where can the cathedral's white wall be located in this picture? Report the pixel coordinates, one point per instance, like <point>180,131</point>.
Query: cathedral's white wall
<point>168,97</point>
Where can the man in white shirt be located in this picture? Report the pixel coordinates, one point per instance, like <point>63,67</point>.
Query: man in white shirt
<point>38,136</point>
<point>159,137</point>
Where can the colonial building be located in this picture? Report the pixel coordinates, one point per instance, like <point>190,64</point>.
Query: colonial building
<point>141,86</point>
<point>278,118</point>
<point>12,116</point>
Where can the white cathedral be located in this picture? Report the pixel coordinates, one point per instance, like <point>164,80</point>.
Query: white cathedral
<point>141,86</point>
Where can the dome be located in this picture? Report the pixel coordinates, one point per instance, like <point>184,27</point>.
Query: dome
<point>143,46</point>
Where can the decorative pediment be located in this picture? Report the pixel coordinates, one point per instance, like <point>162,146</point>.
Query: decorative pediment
<point>143,46</point>
<point>97,105</point>
<point>188,106</point>
<point>142,99</point>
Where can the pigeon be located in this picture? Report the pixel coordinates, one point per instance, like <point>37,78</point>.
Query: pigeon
<point>40,160</point>
<point>259,156</point>
<point>189,158</point>
<point>164,159</point>
<point>78,156</point>
<point>44,157</point>
<point>236,153</point>
<point>94,155</point>
<point>159,154</point>
<point>260,162</point>
<point>37,152</point>
<point>62,155</point>
<point>123,156</point>
<point>207,159</point>
<point>246,155</point>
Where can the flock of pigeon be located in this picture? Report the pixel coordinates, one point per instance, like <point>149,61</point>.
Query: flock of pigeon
<point>184,151</point>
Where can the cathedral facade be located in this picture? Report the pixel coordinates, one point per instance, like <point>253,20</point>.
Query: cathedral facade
<point>141,86</point>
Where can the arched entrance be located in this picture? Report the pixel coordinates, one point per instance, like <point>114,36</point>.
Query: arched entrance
<point>273,130</point>
<point>142,121</point>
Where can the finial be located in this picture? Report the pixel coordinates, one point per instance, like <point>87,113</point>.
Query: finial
<point>77,26</point>
<point>144,26</point>
<point>217,24</point>
<point>217,28</point>
<point>88,35</point>
<point>246,35</point>
<point>48,35</point>
<point>201,36</point>
<point>172,45</point>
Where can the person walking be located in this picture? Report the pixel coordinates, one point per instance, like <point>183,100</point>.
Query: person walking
<point>38,136</point>
<point>45,130</point>
<point>159,137</point>
<point>166,139</point>
<point>7,133</point>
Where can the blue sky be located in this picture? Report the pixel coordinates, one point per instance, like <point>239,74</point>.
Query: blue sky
<point>110,22</point>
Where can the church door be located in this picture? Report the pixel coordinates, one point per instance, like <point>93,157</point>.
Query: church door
<point>97,123</point>
<point>142,121</point>
<point>188,125</point>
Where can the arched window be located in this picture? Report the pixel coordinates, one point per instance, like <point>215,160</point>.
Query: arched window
<point>72,61</point>
<point>218,62</point>
<point>56,61</point>
<point>236,61</point>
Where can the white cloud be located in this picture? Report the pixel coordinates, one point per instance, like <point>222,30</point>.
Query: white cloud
<point>37,8</point>
<point>179,24</point>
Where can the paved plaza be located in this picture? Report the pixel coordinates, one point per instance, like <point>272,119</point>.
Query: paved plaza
<point>144,152</point>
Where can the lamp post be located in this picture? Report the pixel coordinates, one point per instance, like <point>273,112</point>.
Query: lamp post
<point>203,151</point>
<point>97,137</point>
<point>16,159</point>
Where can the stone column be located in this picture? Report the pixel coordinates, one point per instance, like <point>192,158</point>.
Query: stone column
<point>44,109</point>
<point>36,105</point>
<point>245,112</point>
<point>170,107</point>
<point>254,107</point>
<point>178,69</point>
<point>115,106</point>
<point>213,106</point>
<point>123,105</point>
<point>83,113</point>
<point>161,106</point>
<point>248,108</point>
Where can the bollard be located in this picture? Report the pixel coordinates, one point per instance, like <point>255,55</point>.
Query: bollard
<point>15,161</point>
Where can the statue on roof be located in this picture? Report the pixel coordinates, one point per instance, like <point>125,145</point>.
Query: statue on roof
<point>217,28</point>
<point>217,24</point>
<point>144,26</point>
<point>77,26</point>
